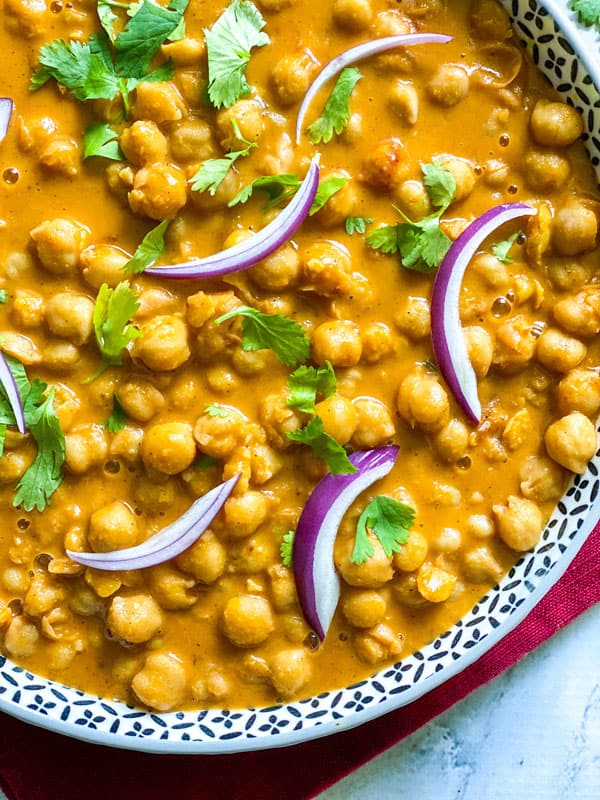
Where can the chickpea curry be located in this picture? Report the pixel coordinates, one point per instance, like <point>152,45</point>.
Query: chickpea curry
<point>151,149</point>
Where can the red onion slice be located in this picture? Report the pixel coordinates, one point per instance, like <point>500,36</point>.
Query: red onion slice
<point>169,542</point>
<point>358,53</point>
<point>317,581</point>
<point>12,393</point>
<point>446,331</point>
<point>6,109</point>
<point>252,250</point>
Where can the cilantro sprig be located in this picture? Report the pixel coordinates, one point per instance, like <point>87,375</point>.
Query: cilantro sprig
<point>323,446</point>
<point>282,335</point>
<point>44,476</point>
<point>118,418</point>
<point>112,314</point>
<point>588,12</point>
<point>502,249</point>
<point>422,245</point>
<point>306,383</point>
<point>281,187</point>
<point>389,520</point>
<point>336,113</point>
<point>101,140</point>
<point>148,250</point>
<point>229,44</point>
<point>286,547</point>
<point>104,67</point>
<point>213,171</point>
<point>357,225</point>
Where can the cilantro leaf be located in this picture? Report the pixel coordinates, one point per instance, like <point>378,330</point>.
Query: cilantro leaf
<point>336,113</point>
<point>118,419</point>
<point>588,11</point>
<point>213,171</point>
<point>214,410</point>
<point>44,476</point>
<point>286,547</point>
<point>439,183</point>
<point>229,43</point>
<point>389,520</point>
<point>326,190</point>
<point>148,250</point>
<point>501,249</point>
<point>3,296</point>
<point>304,384</point>
<point>323,446</point>
<point>204,461</point>
<point>107,16</point>
<point>357,224</point>
<point>276,332</point>
<point>276,186</point>
<point>79,66</point>
<point>101,140</point>
<point>112,312</point>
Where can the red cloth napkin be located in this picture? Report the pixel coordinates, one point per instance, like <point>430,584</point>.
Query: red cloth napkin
<point>37,765</point>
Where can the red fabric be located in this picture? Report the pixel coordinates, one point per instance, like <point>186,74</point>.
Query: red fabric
<point>37,765</point>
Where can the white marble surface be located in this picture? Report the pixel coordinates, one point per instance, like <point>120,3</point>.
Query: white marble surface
<point>532,734</point>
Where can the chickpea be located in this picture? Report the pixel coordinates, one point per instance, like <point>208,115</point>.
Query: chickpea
<point>413,318</point>
<point>158,101</point>
<point>159,191</point>
<point>580,313</point>
<point>375,426</point>
<point>27,309</point>
<point>140,399</point>
<point>21,638</point>
<point>404,102</point>
<point>60,356</point>
<point>290,670</point>
<point>571,441</point>
<point>558,352</point>
<point>249,114</point>
<point>103,263</point>
<point>327,268</point>
<point>480,349</point>
<point>363,608</point>
<point>575,230</point>
<point>452,441</point>
<point>185,52</point>
<point>391,23</point>
<point>340,417</point>
<point>58,244</point>
<point>448,540</point>
<point>463,173</point>
<point>191,140</point>
<point>541,479</point>
<point>21,347</point>
<point>579,391</point>
<point>516,344</point>
<point>377,644</point>
<point>377,342</point>
<point>42,596</point>
<point>143,143</point>
<point>245,513</point>
<point>86,447</point>
<point>126,444</point>
<point>546,171</point>
<point>373,573</point>
<point>170,588</point>
<point>134,618</point>
<point>251,556</point>
<point>275,5</point>
<point>113,527</point>
<point>413,199</point>
<point>292,76</point>
<point>412,553</point>
<point>164,344</point>
<point>352,15</point>
<point>423,402</point>
<point>490,21</point>
<point>519,523</point>
<point>435,584</point>
<point>69,316</point>
<point>33,133</point>
<point>205,560</point>
<point>555,124</point>
<point>219,436</point>
<point>14,464</point>
<point>278,271</point>
<point>161,683</point>
<point>449,85</point>
<point>61,156</point>
<point>15,580</point>
<point>480,566</point>
<point>283,587</point>
<point>168,447</point>
<point>247,620</point>
<point>386,166</point>
<point>337,341</point>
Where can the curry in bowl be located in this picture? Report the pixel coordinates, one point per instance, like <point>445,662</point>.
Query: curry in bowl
<point>298,353</point>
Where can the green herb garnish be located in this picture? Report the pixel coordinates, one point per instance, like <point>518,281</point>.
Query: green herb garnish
<point>389,520</point>
<point>282,335</point>
<point>336,113</point>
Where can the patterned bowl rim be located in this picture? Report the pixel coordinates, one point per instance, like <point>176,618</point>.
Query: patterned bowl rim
<point>56,707</point>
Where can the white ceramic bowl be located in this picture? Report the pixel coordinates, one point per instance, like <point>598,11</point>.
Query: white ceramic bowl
<point>568,55</point>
